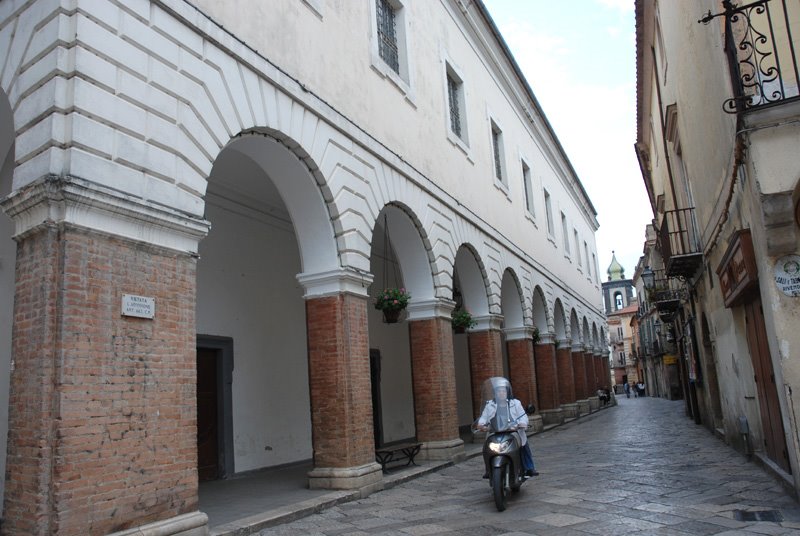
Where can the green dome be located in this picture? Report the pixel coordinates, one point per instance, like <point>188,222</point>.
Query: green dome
<point>615,270</point>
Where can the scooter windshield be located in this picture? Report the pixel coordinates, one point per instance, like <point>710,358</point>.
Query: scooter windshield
<point>497,409</point>
<point>502,420</point>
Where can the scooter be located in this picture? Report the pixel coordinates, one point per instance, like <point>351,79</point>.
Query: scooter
<point>502,454</point>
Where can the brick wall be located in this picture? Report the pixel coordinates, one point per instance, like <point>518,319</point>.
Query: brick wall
<point>546,375</point>
<point>566,377</point>
<point>579,373</point>
<point>434,379</point>
<point>102,407</point>
<point>521,371</point>
<point>339,378</point>
<point>485,361</point>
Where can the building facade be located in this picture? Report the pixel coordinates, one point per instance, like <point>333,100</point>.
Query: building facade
<point>199,215</point>
<point>718,129</point>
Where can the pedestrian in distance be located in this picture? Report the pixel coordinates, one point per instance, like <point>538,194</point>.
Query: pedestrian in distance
<point>640,388</point>
<point>633,388</point>
<point>627,390</point>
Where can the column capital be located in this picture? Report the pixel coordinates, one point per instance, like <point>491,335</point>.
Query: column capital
<point>577,346</point>
<point>564,343</point>
<point>430,308</point>
<point>487,322</point>
<point>546,338</point>
<point>336,281</point>
<point>82,203</point>
<point>518,333</point>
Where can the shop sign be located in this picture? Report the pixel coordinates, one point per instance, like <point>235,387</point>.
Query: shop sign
<point>669,359</point>
<point>738,273</point>
<point>787,275</point>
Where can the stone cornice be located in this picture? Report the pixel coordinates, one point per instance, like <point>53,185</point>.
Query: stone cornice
<point>546,338</point>
<point>487,322</point>
<point>66,199</point>
<point>518,333</point>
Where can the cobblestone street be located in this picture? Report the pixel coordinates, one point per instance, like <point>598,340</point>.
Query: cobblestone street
<point>639,468</point>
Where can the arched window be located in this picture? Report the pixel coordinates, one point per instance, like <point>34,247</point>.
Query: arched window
<point>618,300</point>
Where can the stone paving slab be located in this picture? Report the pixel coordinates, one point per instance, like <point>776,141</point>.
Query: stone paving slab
<point>640,468</point>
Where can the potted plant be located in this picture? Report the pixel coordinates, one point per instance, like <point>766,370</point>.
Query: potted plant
<point>462,320</point>
<point>392,301</point>
<point>535,337</point>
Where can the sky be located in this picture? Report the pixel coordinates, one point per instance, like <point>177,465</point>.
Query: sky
<point>579,57</point>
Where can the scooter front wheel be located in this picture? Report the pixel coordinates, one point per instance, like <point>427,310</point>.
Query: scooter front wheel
<point>499,475</point>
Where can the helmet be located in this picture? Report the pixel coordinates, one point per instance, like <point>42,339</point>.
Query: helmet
<point>496,393</point>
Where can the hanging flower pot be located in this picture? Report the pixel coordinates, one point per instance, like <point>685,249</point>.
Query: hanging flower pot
<point>392,301</point>
<point>390,316</point>
<point>461,320</point>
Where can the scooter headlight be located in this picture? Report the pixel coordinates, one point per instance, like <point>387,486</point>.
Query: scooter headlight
<point>500,447</point>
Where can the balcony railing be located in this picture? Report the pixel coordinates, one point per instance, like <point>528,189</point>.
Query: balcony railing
<point>666,294</point>
<point>762,52</point>
<point>680,245</point>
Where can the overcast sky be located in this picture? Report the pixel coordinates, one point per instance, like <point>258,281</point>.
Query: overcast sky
<point>579,57</point>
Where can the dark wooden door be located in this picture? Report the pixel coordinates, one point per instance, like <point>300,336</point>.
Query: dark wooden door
<point>207,421</point>
<point>774,439</point>
<point>375,377</point>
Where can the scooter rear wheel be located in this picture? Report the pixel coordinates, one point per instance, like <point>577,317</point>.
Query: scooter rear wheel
<point>499,486</point>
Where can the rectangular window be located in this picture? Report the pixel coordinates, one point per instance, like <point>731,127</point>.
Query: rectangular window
<point>387,34</point>
<point>497,150</point>
<point>594,263</point>
<point>548,212</point>
<point>586,252</point>
<point>565,233</point>
<point>528,186</point>
<point>577,247</point>
<point>453,98</point>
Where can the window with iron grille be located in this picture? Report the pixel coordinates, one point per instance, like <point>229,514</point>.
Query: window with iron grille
<point>453,90</point>
<point>497,148</point>
<point>387,34</point>
<point>549,213</point>
<point>528,187</point>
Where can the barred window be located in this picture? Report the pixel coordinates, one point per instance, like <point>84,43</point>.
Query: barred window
<point>453,88</point>
<point>497,148</point>
<point>387,34</point>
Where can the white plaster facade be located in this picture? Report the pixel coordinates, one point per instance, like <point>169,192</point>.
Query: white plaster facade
<point>271,140</point>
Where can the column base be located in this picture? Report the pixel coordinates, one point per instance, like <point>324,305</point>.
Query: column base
<point>194,524</point>
<point>553,416</point>
<point>535,424</point>
<point>449,449</point>
<point>365,478</point>
<point>594,403</point>
<point>583,407</point>
<point>570,410</point>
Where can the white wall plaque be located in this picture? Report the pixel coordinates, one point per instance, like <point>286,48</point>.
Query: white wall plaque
<point>787,275</point>
<point>138,306</point>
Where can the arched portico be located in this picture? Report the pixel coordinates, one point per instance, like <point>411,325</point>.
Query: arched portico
<point>417,354</point>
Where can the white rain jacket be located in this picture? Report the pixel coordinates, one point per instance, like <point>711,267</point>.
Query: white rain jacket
<point>515,411</point>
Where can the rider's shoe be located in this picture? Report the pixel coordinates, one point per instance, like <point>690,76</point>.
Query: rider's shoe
<point>531,472</point>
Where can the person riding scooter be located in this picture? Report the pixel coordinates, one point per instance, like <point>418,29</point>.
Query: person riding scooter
<point>500,404</point>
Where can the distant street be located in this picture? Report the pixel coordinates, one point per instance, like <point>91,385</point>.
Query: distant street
<point>639,468</point>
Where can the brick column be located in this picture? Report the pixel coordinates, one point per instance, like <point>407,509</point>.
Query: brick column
<point>339,382</point>
<point>600,371</point>
<point>521,371</point>
<point>607,367</point>
<point>579,371</point>
<point>591,378</point>
<point>544,354</point>
<point>102,410</point>
<point>485,355</point>
<point>434,379</point>
<point>566,376</point>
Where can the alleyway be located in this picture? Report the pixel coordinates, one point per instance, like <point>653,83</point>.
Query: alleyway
<point>639,468</point>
